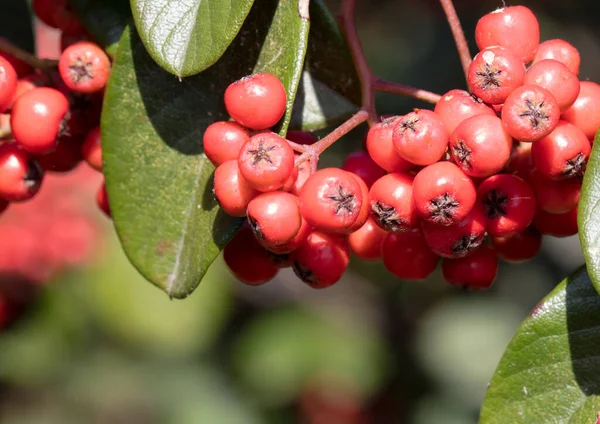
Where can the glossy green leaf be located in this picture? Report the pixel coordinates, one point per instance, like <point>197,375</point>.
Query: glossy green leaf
<point>158,179</point>
<point>105,20</point>
<point>550,372</point>
<point>185,37</point>
<point>588,215</point>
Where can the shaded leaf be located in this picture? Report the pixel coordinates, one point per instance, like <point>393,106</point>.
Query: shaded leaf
<point>158,178</point>
<point>550,372</point>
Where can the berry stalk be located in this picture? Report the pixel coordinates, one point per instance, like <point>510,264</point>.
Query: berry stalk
<point>458,34</point>
<point>25,56</point>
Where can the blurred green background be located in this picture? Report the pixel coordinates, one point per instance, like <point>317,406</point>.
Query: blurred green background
<point>102,346</point>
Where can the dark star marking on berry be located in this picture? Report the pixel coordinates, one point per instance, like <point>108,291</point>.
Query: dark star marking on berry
<point>575,167</point>
<point>462,154</point>
<point>33,175</point>
<point>408,124</point>
<point>466,243</point>
<point>488,77</point>
<point>495,203</point>
<point>535,113</point>
<point>261,153</point>
<point>442,209</point>
<point>254,225</point>
<point>303,273</point>
<point>280,259</point>
<point>387,217</point>
<point>81,71</point>
<point>344,201</point>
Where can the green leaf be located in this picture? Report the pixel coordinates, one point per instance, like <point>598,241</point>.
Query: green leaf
<point>105,20</point>
<point>588,215</point>
<point>158,179</point>
<point>186,37</point>
<point>550,372</point>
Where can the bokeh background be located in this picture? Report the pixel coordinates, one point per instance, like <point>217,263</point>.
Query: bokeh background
<point>99,345</point>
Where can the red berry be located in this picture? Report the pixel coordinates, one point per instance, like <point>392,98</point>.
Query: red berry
<point>102,200</point>
<point>64,158</point>
<point>557,79</point>
<point>458,240</point>
<point>515,28</point>
<point>365,208</point>
<point>556,196</point>
<point>274,217</point>
<point>520,162</point>
<point>556,225</point>
<point>494,73</point>
<point>301,137</point>
<point>256,101</point>
<point>457,105</point>
<point>561,51</point>
<point>248,261</point>
<point>331,200</point>
<point>91,149</point>
<point>407,256</point>
<point>519,247</point>
<point>360,164</point>
<point>321,260</point>
<point>84,67</point>
<point>508,202</point>
<point>24,85</point>
<point>443,194</point>
<point>58,14</point>
<point>530,113</point>
<point>223,141</point>
<point>476,271</point>
<point>563,153</point>
<point>585,112</point>
<point>420,137</point>
<point>366,242</point>
<point>233,192</point>
<point>21,68</point>
<point>303,172</point>
<point>381,148</point>
<point>8,84</point>
<point>392,206</point>
<point>266,161</point>
<point>46,107</point>
<point>480,146</point>
<point>294,243</point>
<point>20,175</point>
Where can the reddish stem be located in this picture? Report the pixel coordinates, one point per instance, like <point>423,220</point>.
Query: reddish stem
<point>25,56</point>
<point>405,90</point>
<point>458,34</point>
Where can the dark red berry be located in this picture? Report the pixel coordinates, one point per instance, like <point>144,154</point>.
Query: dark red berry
<point>64,158</point>
<point>392,206</point>
<point>407,256</point>
<point>556,196</point>
<point>274,218</point>
<point>476,271</point>
<point>561,51</point>
<point>366,242</point>
<point>248,261</point>
<point>91,150</point>
<point>360,164</point>
<point>232,190</point>
<point>585,112</point>
<point>519,247</point>
<point>457,105</point>
<point>381,148</point>
<point>58,14</point>
<point>557,79</point>
<point>84,67</point>
<point>556,225</point>
<point>301,137</point>
<point>102,200</point>
<point>8,84</point>
<point>520,162</point>
<point>20,175</point>
<point>420,137</point>
<point>223,141</point>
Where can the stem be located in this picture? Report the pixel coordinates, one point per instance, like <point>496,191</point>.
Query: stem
<point>25,56</point>
<point>405,90</point>
<point>458,34</point>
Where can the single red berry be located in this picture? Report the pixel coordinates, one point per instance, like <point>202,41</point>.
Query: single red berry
<point>84,67</point>
<point>392,206</point>
<point>476,271</point>
<point>556,196</point>
<point>561,51</point>
<point>102,200</point>
<point>519,247</point>
<point>443,194</point>
<point>46,107</point>
<point>58,14</point>
<point>21,68</point>
<point>266,161</point>
<point>508,202</point>
<point>557,79</point>
<point>530,113</point>
<point>294,243</point>
<point>291,181</point>
<point>64,158</point>
<point>331,200</point>
<point>233,192</point>
<point>458,240</point>
<point>274,217</point>
<point>520,162</point>
<point>256,101</point>
<point>494,73</point>
<point>91,150</point>
<point>303,173</point>
<point>360,164</point>
<point>381,148</point>
<point>563,153</point>
<point>8,84</point>
<point>365,207</point>
<point>366,242</point>
<point>556,225</point>
<point>407,256</point>
<point>481,146</point>
<point>515,28</point>
<point>24,85</point>
<point>420,137</point>
<point>301,137</point>
<point>585,112</point>
<point>247,260</point>
<point>321,260</point>
<point>223,141</point>
<point>457,105</point>
<point>20,175</point>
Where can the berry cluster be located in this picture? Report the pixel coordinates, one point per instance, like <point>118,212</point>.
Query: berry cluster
<point>484,175</point>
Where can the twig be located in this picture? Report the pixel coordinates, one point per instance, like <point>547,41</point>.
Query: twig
<point>458,34</point>
<point>405,90</point>
<point>25,56</point>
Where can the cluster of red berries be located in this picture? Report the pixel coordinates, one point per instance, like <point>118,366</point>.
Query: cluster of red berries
<point>484,175</point>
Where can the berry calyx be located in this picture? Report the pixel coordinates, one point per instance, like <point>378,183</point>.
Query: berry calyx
<point>360,164</point>
<point>232,190</point>
<point>366,242</point>
<point>476,271</point>
<point>420,137</point>
<point>561,51</point>
<point>585,112</point>
<point>84,67</point>
<point>274,218</point>
<point>557,79</point>
<point>8,84</point>
<point>247,260</point>
<point>457,105</point>
<point>380,145</point>
<point>223,141</point>
<point>392,206</point>
<point>407,256</point>
<point>20,175</point>
<point>91,150</point>
<point>519,247</point>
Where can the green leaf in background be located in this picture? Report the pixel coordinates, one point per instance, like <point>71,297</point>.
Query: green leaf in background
<point>186,37</point>
<point>588,215</point>
<point>105,20</point>
<point>159,181</point>
<point>550,372</point>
